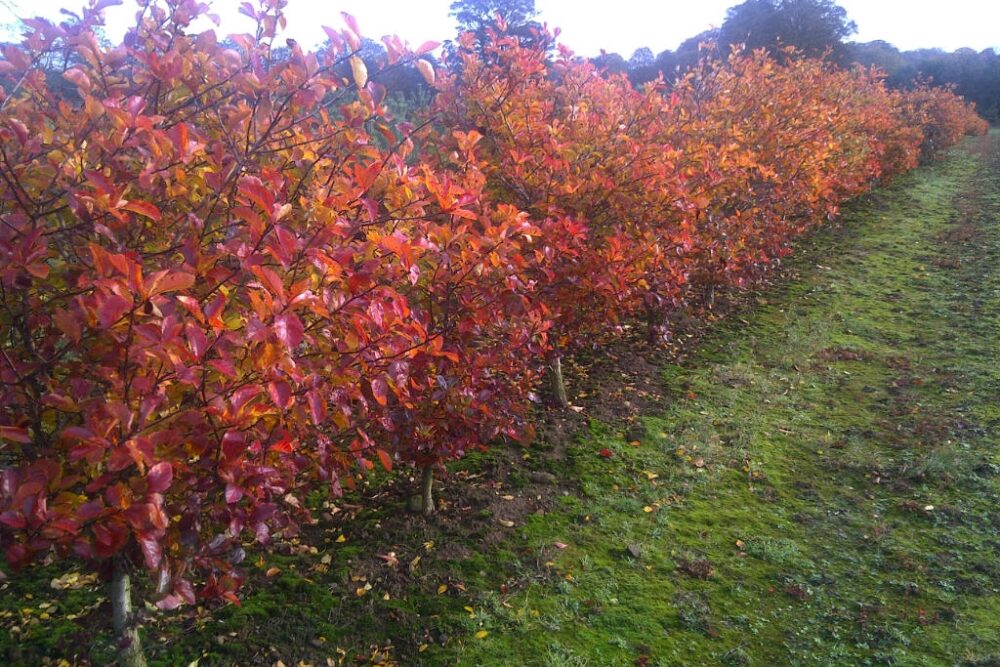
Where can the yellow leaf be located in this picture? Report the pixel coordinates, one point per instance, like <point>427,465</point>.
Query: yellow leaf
<point>341,539</point>
<point>442,588</point>
<point>647,509</point>
<point>482,634</point>
<point>360,71</point>
<point>427,70</point>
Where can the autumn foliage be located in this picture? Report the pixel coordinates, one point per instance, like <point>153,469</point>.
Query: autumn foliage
<point>228,278</point>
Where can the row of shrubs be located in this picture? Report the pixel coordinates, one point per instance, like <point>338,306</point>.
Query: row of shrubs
<point>229,279</point>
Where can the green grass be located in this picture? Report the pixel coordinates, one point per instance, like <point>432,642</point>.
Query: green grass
<point>828,421</point>
<point>822,489</point>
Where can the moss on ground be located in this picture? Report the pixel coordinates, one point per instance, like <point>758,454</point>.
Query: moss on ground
<point>822,490</point>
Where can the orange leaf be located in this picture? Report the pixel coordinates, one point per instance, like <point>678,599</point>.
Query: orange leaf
<point>143,208</point>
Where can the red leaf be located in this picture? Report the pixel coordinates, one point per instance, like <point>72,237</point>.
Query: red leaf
<point>351,22</point>
<point>152,552</point>
<point>427,47</point>
<point>288,328</point>
<point>196,339</point>
<point>281,393</point>
<point>143,208</point>
<point>111,310</point>
<point>67,323</point>
<point>317,406</point>
<point>380,390</point>
<point>606,453</point>
<point>170,281</point>
<point>159,477</point>
<point>271,281</point>
<point>224,366</point>
<point>15,520</point>
<point>233,493</point>
<point>77,78</point>
<point>77,433</point>
<point>283,446</point>
<point>254,190</point>
<point>15,434</point>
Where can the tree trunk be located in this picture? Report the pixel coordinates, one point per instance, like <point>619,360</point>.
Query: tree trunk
<point>427,490</point>
<point>558,386</point>
<point>123,618</point>
<point>654,324</point>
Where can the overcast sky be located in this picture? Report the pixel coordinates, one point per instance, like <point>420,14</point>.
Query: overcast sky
<point>587,27</point>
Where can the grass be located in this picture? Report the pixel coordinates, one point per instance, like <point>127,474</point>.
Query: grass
<point>822,489</point>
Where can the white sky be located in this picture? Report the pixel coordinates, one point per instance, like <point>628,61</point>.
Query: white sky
<point>587,27</point>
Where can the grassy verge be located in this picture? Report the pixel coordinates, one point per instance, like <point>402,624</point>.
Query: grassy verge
<point>820,488</point>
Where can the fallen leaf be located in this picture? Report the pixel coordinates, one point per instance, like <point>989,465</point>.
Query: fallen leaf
<point>699,462</point>
<point>482,634</point>
<point>272,571</point>
<point>606,453</point>
<point>442,589</point>
<point>390,559</point>
<point>560,545</point>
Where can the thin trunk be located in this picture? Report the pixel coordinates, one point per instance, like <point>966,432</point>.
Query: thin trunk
<point>427,490</point>
<point>654,322</point>
<point>558,386</point>
<point>123,619</point>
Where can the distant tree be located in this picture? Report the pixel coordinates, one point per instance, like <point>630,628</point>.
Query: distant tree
<point>690,50</point>
<point>898,70</point>
<point>613,63</point>
<point>666,64</point>
<point>976,76</point>
<point>814,27</point>
<point>642,57</point>
<point>479,14</point>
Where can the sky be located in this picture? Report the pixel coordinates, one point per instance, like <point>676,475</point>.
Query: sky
<point>588,27</point>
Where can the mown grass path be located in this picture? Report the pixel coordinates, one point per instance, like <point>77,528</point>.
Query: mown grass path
<point>822,488</point>
<point>825,489</point>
